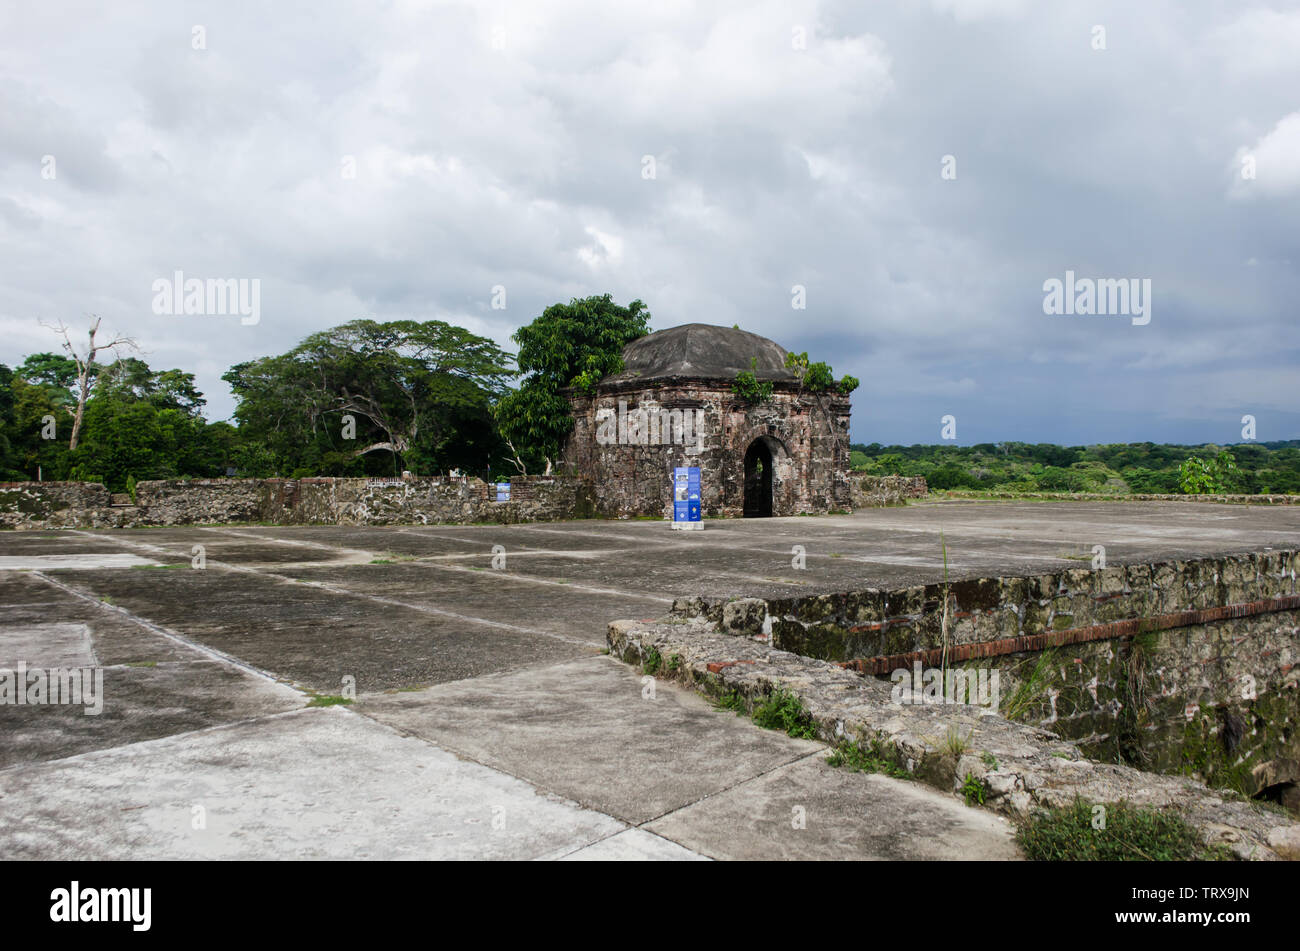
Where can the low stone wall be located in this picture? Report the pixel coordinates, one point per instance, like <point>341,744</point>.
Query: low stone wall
<point>324,501</point>
<point>995,494</point>
<point>876,622</point>
<point>423,501</point>
<point>1019,766</point>
<point>879,491</point>
<point>1187,667</point>
<point>55,505</point>
<point>199,501</point>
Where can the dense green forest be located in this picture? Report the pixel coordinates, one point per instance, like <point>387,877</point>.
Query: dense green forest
<point>1252,468</point>
<point>369,398</point>
<point>361,399</point>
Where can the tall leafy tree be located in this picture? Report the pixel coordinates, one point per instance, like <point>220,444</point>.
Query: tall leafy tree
<point>37,410</point>
<point>10,463</point>
<point>570,345</point>
<point>421,392</point>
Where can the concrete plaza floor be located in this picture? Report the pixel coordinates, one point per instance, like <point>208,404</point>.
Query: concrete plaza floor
<point>487,722</point>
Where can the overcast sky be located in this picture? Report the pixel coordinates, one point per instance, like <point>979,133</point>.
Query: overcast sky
<point>793,143</point>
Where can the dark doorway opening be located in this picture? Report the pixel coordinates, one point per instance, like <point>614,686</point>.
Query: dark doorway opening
<point>758,480</point>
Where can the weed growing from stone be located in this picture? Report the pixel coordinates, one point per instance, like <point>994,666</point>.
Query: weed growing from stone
<point>973,790</point>
<point>954,744</point>
<point>784,711</point>
<point>872,759</point>
<point>1129,834</point>
<point>1031,689</point>
<point>653,661</point>
<point>990,760</point>
<point>733,701</point>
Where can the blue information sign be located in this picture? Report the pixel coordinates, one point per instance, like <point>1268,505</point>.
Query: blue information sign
<point>686,497</point>
<point>503,491</point>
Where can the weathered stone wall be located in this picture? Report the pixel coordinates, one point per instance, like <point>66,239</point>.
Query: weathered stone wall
<point>423,501</point>
<point>55,505</point>
<point>874,622</point>
<point>199,501</point>
<point>1019,766</point>
<point>807,433</point>
<point>1187,667</point>
<point>1218,701</point>
<point>325,501</point>
<point>1120,497</point>
<point>878,491</point>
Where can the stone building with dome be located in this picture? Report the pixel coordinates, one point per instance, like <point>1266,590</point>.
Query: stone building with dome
<point>673,405</point>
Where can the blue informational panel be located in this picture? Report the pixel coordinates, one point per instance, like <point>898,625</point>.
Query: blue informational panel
<point>503,491</point>
<point>686,494</point>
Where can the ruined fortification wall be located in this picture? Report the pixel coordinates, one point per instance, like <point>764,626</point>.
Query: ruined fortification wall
<point>877,491</point>
<point>55,505</point>
<point>1188,667</point>
<point>325,501</point>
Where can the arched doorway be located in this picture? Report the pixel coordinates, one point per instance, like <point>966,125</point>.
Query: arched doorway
<point>758,480</point>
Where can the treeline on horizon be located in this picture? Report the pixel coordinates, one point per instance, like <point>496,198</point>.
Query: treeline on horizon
<point>373,399</point>
<point>1121,468</point>
<point>361,399</point>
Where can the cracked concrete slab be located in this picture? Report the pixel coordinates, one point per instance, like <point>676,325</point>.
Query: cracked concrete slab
<point>315,784</point>
<point>810,810</point>
<point>45,645</point>
<point>77,562</point>
<point>634,845</point>
<point>588,730</point>
<point>317,637</point>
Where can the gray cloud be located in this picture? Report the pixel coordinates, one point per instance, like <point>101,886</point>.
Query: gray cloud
<point>504,145</point>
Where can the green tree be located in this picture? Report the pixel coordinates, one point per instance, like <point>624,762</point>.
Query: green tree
<point>39,409</point>
<point>1197,476</point>
<point>420,392</point>
<point>570,346</point>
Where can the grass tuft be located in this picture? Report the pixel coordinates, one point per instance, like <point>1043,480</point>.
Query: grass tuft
<point>870,759</point>
<point>328,700</point>
<point>784,711</point>
<point>1126,834</point>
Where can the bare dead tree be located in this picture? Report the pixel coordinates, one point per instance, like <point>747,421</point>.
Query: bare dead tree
<point>86,364</point>
<point>514,453</point>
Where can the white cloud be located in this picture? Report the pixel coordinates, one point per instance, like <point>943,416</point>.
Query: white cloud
<point>1276,161</point>
<point>965,11</point>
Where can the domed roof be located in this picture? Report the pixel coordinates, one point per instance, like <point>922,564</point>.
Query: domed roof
<point>701,351</point>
